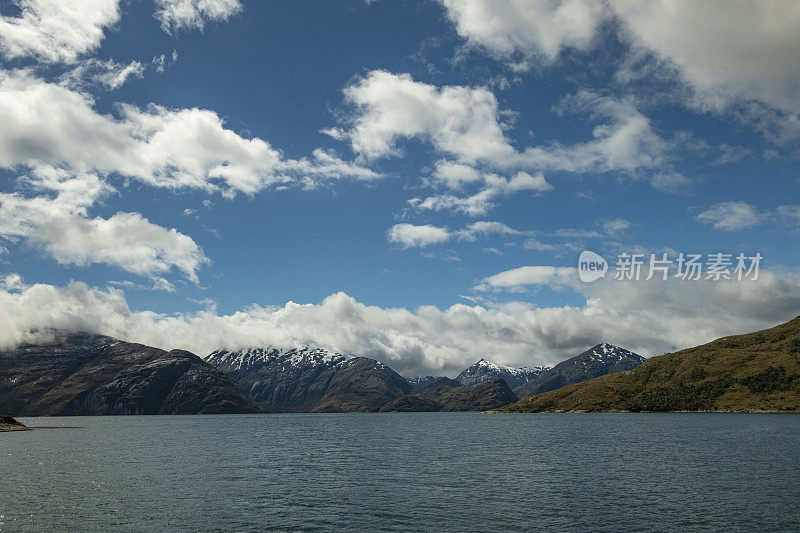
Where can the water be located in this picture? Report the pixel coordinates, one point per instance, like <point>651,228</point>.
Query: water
<point>404,472</point>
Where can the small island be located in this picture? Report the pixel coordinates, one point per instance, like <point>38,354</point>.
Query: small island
<point>8,423</point>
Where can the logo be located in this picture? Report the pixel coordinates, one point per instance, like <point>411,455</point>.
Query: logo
<point>591,266</point>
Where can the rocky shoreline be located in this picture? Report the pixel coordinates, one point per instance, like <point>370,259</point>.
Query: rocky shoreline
<point>7,423</point>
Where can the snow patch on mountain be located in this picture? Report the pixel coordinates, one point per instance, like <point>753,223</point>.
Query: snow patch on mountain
<point>249,358</point>
<point>608,353</point>
<point>485,370</point>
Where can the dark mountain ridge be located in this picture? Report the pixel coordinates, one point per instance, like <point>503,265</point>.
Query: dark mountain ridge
<point>452,395</point>
<point>87,374</point>
<point>310,380</point>
<point>597,361</point>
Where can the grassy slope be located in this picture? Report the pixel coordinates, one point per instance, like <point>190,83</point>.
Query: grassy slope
<point>755,372</point>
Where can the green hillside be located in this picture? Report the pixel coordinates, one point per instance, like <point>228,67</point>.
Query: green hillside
<point>755,372</point>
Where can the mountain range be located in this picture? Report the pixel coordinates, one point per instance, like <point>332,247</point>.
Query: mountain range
<point>754,372</point>
<point>85,374</point>
<point>309,380</point>
<point>452,395</point>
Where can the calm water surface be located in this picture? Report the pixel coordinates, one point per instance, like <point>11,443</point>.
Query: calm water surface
<point>404,472</point>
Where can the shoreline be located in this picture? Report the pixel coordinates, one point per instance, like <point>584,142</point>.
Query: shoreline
<point>8,423</point>
<point>706,411</point>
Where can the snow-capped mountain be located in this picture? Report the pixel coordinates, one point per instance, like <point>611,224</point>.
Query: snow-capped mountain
<point>609,354</point>
<point>250,359</point>
<point>597,361</point>
<point>310,379</point>
<point>484,370</point>
<point>420,382</point>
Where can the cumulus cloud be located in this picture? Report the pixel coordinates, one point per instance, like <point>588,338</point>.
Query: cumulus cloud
<point>62,227</point>
<point>460,121</point>
<point>48,124</point>
<point>731,216</point>
<point>492,187</point>
<point>455,175</point>
<point>56,31</point>
<point>624,140</point>
<point>521,31</point>
<point>411,236</point>
<point>727,52</point>
<point>175,15</point>
<point>464,124</point>
<point>427,340</point>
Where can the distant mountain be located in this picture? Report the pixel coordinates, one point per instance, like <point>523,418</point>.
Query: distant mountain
<point>310,380</point>
<point>419,382</point>
<point>596,361</point>
<point>755,372</point>
<point>451,395</point>
<point>86,374</point>
<point>484,370</point>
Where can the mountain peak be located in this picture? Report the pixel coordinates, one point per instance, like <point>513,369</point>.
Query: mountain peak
<point>244,358</point>
<point>485,370</point>
<point>600,359</point>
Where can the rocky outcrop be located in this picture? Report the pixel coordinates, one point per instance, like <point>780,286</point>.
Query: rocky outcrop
<point>7,423</point>
<point>86,374</point>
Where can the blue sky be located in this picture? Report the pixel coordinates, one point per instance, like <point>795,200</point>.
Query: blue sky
<point>211,161</point>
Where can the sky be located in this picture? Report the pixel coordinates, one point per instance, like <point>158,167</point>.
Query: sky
<point>409,181</point>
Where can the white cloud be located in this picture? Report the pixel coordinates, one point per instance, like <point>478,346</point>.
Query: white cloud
<point>521,31</point>
<point>613,226</point>
<point>484,229</point>
<point>48,124</point>
<point>575,233</point>
<point>464,124</point>
<point>428,340</point>
<point>731,216</point>
<point>108,74</point>
<point>455,175</point>
<point>492,188</point>
<point>56,30</point>
<point>727,51</point>
<point>521,181</point>
<point>789,214</point>
<point>411,236</point>
<point>62,228</point>
<point>627,142</point>
<point>535,244</point>
<point>474,205</point>
<point>517,278</point>
<point>460,121</point>
<point>175,15</point>
<point>492,251</point>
